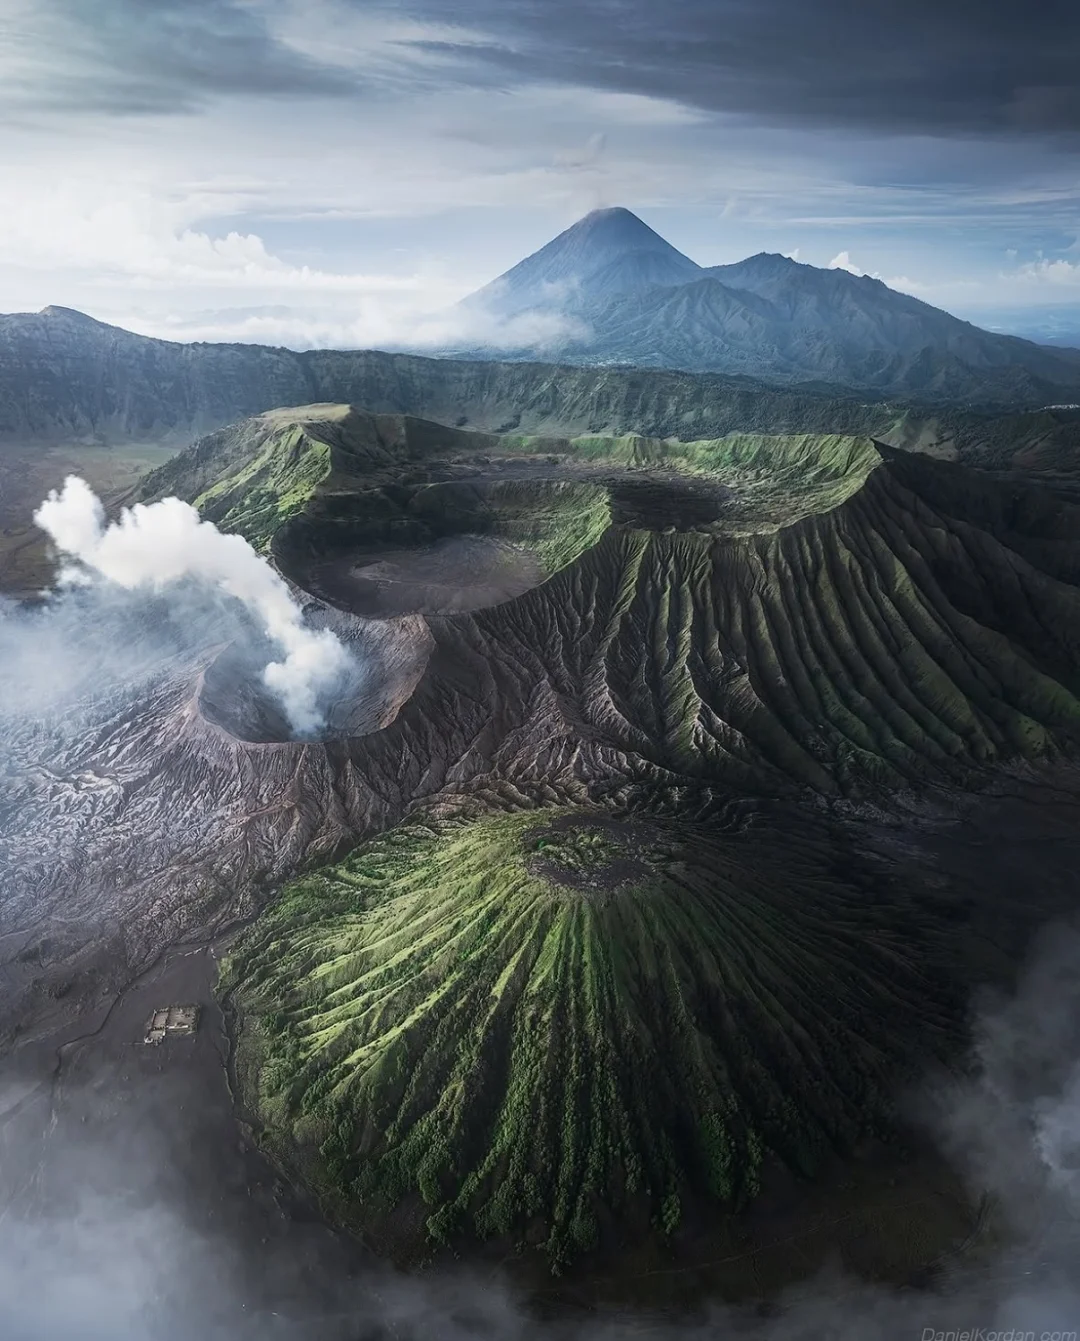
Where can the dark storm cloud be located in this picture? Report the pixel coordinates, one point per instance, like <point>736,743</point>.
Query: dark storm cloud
<point>133,56</point>
<point>936,66</point>
<point>939,66</point>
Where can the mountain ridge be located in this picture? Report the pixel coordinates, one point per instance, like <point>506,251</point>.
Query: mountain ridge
<point>66,380</point>
<point>767,316</point>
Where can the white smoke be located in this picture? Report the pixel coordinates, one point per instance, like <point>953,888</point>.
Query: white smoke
<point>1026,1098</point>
<point>1057,1135</point>
<point>154,545</point>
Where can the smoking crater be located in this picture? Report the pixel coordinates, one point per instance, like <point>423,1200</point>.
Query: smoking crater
<point>159,545</point>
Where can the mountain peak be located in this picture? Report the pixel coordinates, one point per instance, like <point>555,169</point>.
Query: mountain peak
<point>627,296</point>
<point>70,314</point>
<point>612,212</point>
<point>761,267</point>
<point>619,225</point>
<point>607,253</point>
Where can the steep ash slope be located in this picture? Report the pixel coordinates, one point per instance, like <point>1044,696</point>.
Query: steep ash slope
<point>798,609</point>
<point>607,253</point>
<point>149,784</point>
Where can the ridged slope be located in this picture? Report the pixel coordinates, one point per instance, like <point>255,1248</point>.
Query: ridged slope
<point>766,316</point>
<point>607,253</point>
<point>65,378</point>
<point>882,642</point>
<point>538,1024</point>
<point>760,611</point>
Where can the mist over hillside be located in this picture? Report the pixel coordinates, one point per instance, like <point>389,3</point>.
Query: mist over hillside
<point>609,293</point>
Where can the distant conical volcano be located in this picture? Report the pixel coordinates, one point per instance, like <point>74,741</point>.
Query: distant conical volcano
<point>611,290</point>
<point>605,255</point>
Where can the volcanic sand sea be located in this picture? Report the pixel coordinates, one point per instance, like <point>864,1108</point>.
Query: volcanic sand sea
<point>28,472</point>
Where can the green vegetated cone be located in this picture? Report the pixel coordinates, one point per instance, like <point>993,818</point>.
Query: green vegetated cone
<point>544,1022</point>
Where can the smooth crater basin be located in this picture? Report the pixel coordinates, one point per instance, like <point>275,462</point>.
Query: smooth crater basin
<point>467,536</point>
<point>441,546</point>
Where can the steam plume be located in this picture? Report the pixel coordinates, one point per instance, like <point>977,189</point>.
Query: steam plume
<point>157,544</point>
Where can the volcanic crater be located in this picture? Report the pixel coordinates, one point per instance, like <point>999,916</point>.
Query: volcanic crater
<point>383,664</point>
<point>595,856</point>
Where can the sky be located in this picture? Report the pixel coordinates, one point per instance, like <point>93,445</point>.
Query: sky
<point>321,172</point>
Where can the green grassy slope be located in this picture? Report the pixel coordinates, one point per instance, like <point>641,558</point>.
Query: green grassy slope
<point>531,1025</point>
<point>351,476</point>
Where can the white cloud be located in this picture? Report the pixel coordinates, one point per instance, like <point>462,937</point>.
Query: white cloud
<point>244,203</point>
<point>920,288</point>
<point>630,109</point>
<point>142,261</point>
<point>179,206</point>
<point>159,546</point>
<point>370,42</point>
<point>929,291</point>
<point>145,240</point>
<point>1059,273</point>
<point>842,261</point>
<point>376,326</point>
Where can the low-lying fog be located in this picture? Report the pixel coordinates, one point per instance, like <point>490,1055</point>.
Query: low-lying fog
<point>120,1265</point>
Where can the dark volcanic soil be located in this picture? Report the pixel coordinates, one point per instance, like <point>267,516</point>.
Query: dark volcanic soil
<point>385,662</point>
<point>620,858</point>
<point>473,568</point>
